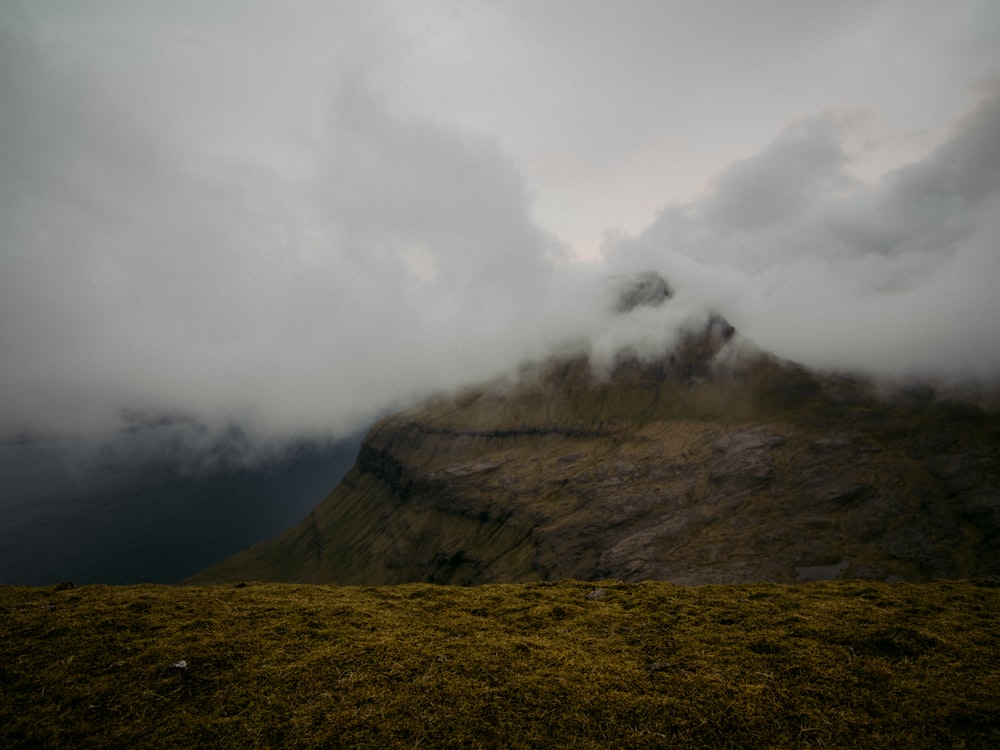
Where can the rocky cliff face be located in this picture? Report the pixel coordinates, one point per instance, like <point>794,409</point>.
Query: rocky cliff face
<point>677,470</point>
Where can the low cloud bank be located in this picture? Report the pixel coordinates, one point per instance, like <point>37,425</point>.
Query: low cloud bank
<point>145,277</point>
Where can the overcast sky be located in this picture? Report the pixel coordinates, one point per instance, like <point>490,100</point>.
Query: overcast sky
<point>292,216</point>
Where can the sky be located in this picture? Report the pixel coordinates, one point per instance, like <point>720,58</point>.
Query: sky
<point>287,218</point>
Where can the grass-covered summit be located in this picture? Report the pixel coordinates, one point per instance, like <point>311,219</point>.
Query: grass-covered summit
<point>571,664</point>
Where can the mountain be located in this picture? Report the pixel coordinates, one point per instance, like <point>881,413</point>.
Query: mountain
<point>695,468</point>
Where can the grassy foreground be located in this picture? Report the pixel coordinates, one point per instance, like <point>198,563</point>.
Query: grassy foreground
<point>570,664</point>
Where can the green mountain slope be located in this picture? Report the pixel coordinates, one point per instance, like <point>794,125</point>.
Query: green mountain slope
<point>683,469</point>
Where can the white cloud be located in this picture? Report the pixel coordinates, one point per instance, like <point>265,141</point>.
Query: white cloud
<point>293,217</point>
<point>143,277</point>
<point>892,278</point>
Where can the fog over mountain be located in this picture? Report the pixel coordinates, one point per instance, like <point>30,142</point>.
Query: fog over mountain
<point>894,277</point>
<point>291,218</point>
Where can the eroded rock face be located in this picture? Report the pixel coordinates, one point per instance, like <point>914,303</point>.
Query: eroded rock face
<point>664,471</point>
<point>644,290</point>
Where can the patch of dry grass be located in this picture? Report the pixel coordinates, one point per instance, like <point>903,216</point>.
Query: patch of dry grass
<point>845,664</point>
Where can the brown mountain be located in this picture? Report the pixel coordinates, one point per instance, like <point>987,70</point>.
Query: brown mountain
<point>680,469</point>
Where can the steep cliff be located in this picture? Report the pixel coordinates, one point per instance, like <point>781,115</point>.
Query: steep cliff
<point>680,469</point>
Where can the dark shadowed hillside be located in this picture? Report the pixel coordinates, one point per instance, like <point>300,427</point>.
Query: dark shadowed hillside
<point>682,469</point>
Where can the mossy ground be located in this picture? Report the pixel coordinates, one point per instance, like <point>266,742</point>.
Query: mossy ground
<point>840,664</point>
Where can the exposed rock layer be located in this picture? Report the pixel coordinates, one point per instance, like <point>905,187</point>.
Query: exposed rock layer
<point>672,470</point>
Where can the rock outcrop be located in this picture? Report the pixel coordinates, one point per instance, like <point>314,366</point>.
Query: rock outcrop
<point>679,470</point>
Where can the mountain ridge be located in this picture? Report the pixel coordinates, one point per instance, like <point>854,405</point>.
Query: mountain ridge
<point>692,468</point>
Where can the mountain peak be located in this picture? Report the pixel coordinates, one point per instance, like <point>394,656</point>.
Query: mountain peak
<point>646,289</point>
<point>671,469</point>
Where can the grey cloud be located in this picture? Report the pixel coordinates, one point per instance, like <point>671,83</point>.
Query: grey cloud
<point>450,205</point>
<point>141,275</point>
<point>893,278</point>
<point>745,216</point>
<point>804,163</point>
<point>201,223</point>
